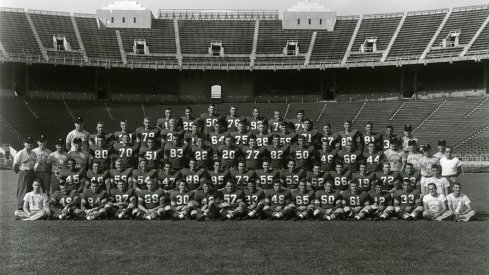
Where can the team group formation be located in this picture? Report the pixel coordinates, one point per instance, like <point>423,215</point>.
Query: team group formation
<point>225,167</point>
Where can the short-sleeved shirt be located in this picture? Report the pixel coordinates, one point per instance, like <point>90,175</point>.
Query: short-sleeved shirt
<point>37,202</point>
<point>440,183</point>
<point>84,135</point>
<point>25,160</point>
<point>435,204</point>
<point>449,166</point>
<point>42,158</point>
<point>57,161</point>
<point>394,158</point>
<point>459,204</point>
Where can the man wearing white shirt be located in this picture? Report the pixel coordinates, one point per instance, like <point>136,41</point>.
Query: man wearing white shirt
<point>435,205</point>
<point>442,145</point>
<point>451,167</point>
<point>442,184</point>
<point>459,204</point>
<point>41,168</point>
<point>78,132</point>
<point>24,162</point>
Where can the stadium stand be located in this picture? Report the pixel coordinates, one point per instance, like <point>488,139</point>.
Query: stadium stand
<point>50,25</point>
<point>417,31</point>
<point>16,34</point>
<point>331,46</point>
<point>100,44</point>
<point>381,27</point>
<point>482,40</point>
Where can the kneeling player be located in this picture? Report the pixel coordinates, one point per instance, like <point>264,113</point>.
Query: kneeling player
<point>276,201</point>
<point>407,202</point>
<point>231,202</point>
<point>204,201</point>
<point>181,201</point>
<point>328,203</point>
<point>93,200</point>
<point>63,203</point>
<point>151,202</point>
<point>354,202</point>
<point>255,201</point>
<point>122,201</point>
<point>302,204</point>
<point>380,203</point>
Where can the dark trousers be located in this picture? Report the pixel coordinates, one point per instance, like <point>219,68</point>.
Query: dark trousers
<point>26,178</point>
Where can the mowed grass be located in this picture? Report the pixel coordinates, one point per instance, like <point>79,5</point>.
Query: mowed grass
<point>278,247</point>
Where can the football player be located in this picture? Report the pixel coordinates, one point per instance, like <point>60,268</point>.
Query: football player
<point>217,134</point>
<point>267,176</point>
<point>72,177</point>
<point>412,175</point>
<point>163,123</point>
<point>231,202</point>
<point>389,179</point>
<point>350,156</point>
<point>92,204</point>
<point>122,201</point>
<point>372,157</point>
<point>370,136</point>
<point>340,177</point>
<point>126,151</point>
<point>109,137</point>
<point>286,133</point>
<point>303,154</point>
<point>182,201</point>
<point>274,123</point>
<point>243,175</point>
<point>57,161</point>
<point>188,119</point>
<point>201,152</point>
<point>394,155</point>
<point>177,152</point>
<point>166,177</point>
<point>140,176</point>
<point>252,153</point>
<point>255,120</point>
<point>312,135</point>
<point>145,132</point>
<point>354,201</point>
<point>205,203</point>
<point>291,176</point>
<point>275,202</point>
<point>219,175</point>
<point>101,152</point>
<point>407,202</point>
<point>193,175</point>
<point>388,137</point>
<point>380,204</point>
<point>333,139</point>
<point>327,156</point>
<point>151,202</point>
<point>229,153</point>
<point>349,134</point>
<point>364,178</point>
<point>210,118</point>
<point>131,135</point>
<point>302,202</point>
<point>255,201</point>
<point>168,134</point>
<point>328,203</point>
<point>119,173</point>
<point>78,154</point>
<point>151,153</point>
<point>62,203</point>
<point>96,174</point>
<point>233,120</point>
<point>298,122</point>
<point>277,153</point>
<point>263,137</point>
<point>241,135</point>
<point>316,178</point>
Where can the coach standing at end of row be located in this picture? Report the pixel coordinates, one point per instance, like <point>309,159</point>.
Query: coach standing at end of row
<point>24,162</point>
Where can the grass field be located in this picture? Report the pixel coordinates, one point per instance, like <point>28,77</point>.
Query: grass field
<point>278,247</point>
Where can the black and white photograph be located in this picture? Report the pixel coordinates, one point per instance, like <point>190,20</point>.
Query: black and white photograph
<point>244,137</point>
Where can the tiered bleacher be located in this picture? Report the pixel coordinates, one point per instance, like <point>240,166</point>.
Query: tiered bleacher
<point>16,34</point>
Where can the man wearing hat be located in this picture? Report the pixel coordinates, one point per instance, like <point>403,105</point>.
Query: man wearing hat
<point>408,136</point>
<point>442,144</point>
<point>57,161</point>
<point>41,167</point>
<point>24,162</point>
<point>78,132</point>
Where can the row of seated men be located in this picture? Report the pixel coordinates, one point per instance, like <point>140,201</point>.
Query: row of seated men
<point>250,202</point>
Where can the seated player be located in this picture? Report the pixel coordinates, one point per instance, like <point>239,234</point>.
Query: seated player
<point>442,184</point>
<point>92,203</point>
<point>407,202</point>
<point>231,202</point>
<point>364,178</point>
<point>122,201</point>
<point>380,203</point>
<point>62,204</point>
<point>97,174</point>
<point>390,179</point>
<point>72,176</point>
<point>267,176</point>
<point>275,202</point>
<point>119,173</point>
<point>151,202</point>
<point>302,202</point>
<point>204,202</point>
<point>35,204</point>
<point>219,176</point>
<point>255,201</point>
<point>316,178</point>
<point>328,203</point>
<point>354,201</point>
<point>139,177</point>
<point>340,177</point>
<point>435,205</point>
<point>181,201</point>
<point>166,177</point>
<point>459,204</point>
<point>291,176</point>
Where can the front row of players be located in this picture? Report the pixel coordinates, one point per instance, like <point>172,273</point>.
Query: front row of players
<point>123,202</point>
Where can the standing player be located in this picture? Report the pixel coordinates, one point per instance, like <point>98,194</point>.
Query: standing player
<point>56,162</point>
<point>316,178</point>
<point>389,179</point>
<point>188,120</point>
<point>210,118</point>
<point>163,123</point>
<point>274,123</point>
<point>181,201</point>
<point>388,137</point>
<point>303,154</point>
<point>263,137</point>
<point>287,136</point>
<point>298,122</point>
<point>146,132</point>
<point>355,201</point>
<point>219,176</point>
<point>255,119</point>
<point>201,152</point>
<point>369,136</point>
<point>350,156</point>
<point>218,133</point>
<point>327,156</point>
<point>231,202</point>
<point>363,178</point>
<point>140,176</point>
<point>131,135</point>
<point>126,151</point>
<point>151,202</point>
<point>232,119</point>
<point>372,157</point>
<point>190,137</point>
<point>177,152</point>
<point>109,138</point>
<point>205,203</point>
<point>267,176</point>
<point>277,153</point>
<point>291,176</point>
<point>408,136</point>
<point>79,133</point>
<point>407,202</point>
<point>35,204</point>
<point>352,135</point>
<point>62,203</point>
<point>255,201</point>
<point>302,202</point>
<point>312,135</point>
<point>340,177</point>
<point>193,175</point>
<point>81,157</point>
<point>98,175</point>
<point>276,201</point>
<point>168,134</point>
<point>152,154</point>
<point>101,152</point>
<point>122,201</point>
<point>328,203</point>
<point>41,167</point>
<point>241,135</point>
<point>253,154</point>
<point>333,139</point>
<point>92,204</point>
